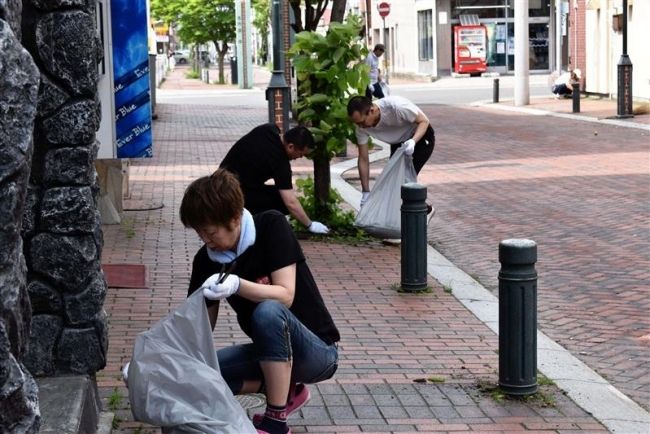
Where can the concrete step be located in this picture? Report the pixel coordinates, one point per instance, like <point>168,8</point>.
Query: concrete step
<point>71,405</point>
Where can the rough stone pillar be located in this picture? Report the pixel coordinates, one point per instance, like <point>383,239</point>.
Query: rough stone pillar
<point>61,228</point>
<point>19,410</point>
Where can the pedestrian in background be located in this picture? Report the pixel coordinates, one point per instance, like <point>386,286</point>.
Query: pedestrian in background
<point>257,265</point>
<point>372,60</point>
<point>396,121</point>
<point>265,154</point>
<point>563,84</point>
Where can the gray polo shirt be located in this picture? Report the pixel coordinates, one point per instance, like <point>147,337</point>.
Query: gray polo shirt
<point>396,123</point>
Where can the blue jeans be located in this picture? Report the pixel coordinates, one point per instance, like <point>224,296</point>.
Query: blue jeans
<point>278,336</point>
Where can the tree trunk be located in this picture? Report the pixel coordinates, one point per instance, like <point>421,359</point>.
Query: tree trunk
<point>221,54</point>
<point>338,10</point>
<point>322,181</point>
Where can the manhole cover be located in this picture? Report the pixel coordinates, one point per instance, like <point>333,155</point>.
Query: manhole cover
<point>251,401</point>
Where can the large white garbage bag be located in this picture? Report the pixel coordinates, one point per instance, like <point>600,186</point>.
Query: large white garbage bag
<point>381,215</point>
<point>174,379</point>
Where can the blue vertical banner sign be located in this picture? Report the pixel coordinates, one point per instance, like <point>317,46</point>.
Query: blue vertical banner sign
<point>131,84</point>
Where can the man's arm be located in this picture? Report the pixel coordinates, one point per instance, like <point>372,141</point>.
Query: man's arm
<point>293,205</point>
<point>363,164</point>
<point>422,124</point>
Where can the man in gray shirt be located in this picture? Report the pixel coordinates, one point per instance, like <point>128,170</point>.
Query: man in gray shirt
<point>396,121</point>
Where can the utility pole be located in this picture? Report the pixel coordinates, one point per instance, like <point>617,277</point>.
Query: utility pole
<point>558,36</point>
<point>522,91</point>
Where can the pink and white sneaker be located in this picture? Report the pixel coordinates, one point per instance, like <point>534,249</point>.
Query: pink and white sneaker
<point>299,395</point>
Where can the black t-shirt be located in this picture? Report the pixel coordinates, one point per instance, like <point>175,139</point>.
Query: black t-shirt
<point>258,157</point>
<point>275,247</point>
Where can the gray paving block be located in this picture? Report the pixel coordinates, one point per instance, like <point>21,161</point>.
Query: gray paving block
<point>386,400</point>
<point>393,412</point>
<point>341,412</point>
<point>367,412</point>
<point>355,389</point>
<point>380,389</point>
<point>411,400</point>
<point>446,413</point>
<point>333,400</point>
<point>469,411</point>
<point>361,400</point>
<point>418,412</point>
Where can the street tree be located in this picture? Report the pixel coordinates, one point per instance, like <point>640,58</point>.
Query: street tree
<point>313,12</point>
<point>200,22</point>
<point>329,68</point>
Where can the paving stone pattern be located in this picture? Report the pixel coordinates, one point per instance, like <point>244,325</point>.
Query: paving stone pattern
<point>580,190</point>
<point>409,363</point>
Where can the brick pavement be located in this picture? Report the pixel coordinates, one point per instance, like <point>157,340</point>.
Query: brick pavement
<point>580,190</point>
<point>409,363</point>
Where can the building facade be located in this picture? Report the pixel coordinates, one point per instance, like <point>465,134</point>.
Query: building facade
<point>604,45</point>
<point>419,34</point>
<point>587,34</point>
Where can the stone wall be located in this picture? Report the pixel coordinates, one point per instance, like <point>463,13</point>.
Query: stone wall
<point>61,226</point>
<point>19,411</point>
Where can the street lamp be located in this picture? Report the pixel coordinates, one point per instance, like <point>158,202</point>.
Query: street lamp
<point>277,93</point>
<point>624,96</point>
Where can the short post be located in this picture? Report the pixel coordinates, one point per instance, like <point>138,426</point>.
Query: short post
<point>414,237</point>
<point>518,317</point>
<point>575,95</point>
<point>152,84</point>
<point>495,91</point>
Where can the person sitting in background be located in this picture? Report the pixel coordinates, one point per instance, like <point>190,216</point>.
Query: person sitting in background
<point>563,84</point>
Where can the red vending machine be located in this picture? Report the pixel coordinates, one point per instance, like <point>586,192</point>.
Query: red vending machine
<point>470,48</point>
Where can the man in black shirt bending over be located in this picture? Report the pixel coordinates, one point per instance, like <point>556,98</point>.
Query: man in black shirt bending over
<point>265,154</point>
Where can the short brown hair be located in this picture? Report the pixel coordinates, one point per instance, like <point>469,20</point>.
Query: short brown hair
<point>212,200</point>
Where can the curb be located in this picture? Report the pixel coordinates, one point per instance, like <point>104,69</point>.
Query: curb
<point>582,384</point>
<point>539,112</point>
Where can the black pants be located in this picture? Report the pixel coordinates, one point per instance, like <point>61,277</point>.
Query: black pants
<point>263,198</point>
<point>378,92</point>
<point>423,149</point>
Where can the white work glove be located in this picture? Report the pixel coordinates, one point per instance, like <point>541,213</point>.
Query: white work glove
<point>409,146</point>
<point>364,198</point>
<point>318,228</point>
<point>218,291</point>
<point>125,374</point>
<point>371,87</point>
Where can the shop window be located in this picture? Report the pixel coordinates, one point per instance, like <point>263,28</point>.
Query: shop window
<point>425,32</point>
<point>482,8</point>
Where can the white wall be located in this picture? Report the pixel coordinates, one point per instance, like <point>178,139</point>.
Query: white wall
<point>604,48</point>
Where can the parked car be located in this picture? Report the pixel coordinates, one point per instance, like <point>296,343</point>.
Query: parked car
<point>182,56</point>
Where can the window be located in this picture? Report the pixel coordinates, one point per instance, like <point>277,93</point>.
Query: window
<point>425,33</point>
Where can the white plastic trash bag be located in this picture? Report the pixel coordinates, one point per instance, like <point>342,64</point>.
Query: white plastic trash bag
<point>174,379</point>
<point>384,88</point>
<point>381,215</point>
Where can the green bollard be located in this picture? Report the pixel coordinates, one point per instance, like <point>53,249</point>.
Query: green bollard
<point>414,237</point>
<point>518,317</point>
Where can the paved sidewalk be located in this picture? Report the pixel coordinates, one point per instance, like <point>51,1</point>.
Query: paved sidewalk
<point>424,363</point>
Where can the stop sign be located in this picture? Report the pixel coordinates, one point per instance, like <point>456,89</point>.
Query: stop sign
<point>384,9</point>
